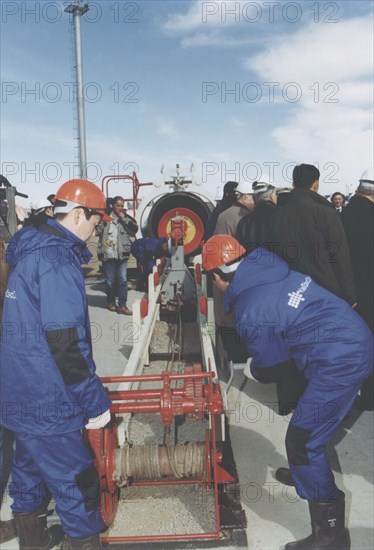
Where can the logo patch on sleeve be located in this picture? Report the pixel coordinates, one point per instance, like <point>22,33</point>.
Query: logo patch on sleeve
<point>296,297</point>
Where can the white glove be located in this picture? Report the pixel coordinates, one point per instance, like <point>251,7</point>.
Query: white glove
<point>99,421</point>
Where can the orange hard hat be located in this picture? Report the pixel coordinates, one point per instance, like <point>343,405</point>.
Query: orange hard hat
<point>220,250</point>
<point>78,192</point>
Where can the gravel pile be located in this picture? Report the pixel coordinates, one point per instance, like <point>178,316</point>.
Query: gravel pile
<point>166,510</point>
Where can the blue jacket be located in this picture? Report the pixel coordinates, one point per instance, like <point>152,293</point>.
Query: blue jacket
<point>284,315</point>
<point>47,376</point>
<point>145,249</point>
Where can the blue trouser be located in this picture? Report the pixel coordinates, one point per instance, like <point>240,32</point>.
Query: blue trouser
<point>115,272</point>
<point>61,466</point>
<point>330,393</point>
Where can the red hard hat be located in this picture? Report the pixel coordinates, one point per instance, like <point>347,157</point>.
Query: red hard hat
<point>221,250</point>
<point>79,192</point>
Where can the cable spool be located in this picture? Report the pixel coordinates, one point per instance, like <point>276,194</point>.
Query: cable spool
<point>153,462</point>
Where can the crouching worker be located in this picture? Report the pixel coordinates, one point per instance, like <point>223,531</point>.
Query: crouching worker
<point>146,251</point>
<point>49,389</point>
<point>283,315</point>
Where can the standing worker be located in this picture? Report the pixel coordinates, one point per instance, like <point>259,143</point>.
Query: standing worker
<point>115,238</point>
<point>49,389</point>
<point>283,315</point>
<point>358,223</point>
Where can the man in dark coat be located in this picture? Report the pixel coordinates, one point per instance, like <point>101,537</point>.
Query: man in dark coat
<point>358,223</point>
<point>228,199</point>
<point>338,200</point>
<point>311,238</point>
<point>257,230</point>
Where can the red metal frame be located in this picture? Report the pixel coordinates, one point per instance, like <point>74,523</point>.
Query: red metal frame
<point>199,395</point>
<point>136,185</point>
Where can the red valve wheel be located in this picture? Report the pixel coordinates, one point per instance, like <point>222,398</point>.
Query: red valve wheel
<point>104,443</point>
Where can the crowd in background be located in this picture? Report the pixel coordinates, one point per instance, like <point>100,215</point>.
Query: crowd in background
<point>332,241</point>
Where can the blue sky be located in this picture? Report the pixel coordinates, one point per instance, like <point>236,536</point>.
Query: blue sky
<point>237,88</point>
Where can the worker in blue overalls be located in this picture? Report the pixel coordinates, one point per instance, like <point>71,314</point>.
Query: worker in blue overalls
<point>146,250</point>
<point>283,315</point>
<point>49,389</point>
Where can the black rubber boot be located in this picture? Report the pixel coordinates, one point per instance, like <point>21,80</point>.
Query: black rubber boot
<point>328,528</point>
<point>89,543</point>
<point>8,530</point>
<point>284,476</point>
<point>33,533</point>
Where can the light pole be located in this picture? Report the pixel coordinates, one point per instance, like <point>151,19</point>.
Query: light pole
<point>77,10</point>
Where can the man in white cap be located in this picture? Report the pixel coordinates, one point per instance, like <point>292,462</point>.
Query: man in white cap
<point>255,229</point>
<point>41,211</point>
<point>357,220</point>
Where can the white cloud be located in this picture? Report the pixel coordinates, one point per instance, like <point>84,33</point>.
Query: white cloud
<point>325,53</point>
<point>199,13</point>
<point>332,121</point>
<point>216,24</point>
<point>213,39</point>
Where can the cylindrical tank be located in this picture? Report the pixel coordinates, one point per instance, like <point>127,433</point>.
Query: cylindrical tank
<point>156,211</point>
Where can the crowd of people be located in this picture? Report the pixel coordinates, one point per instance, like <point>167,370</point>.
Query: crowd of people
<point>276,257</point>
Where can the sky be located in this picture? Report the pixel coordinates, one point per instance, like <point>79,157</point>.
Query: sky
<point>238,89</point>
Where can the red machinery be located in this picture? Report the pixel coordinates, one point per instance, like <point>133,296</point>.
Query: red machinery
<point>197,397</point>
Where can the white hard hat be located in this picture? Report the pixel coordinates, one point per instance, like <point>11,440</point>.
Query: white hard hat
<point>263,184</point>
<point>38,204</point>
<point>368,175</point>
<point>245,188</point>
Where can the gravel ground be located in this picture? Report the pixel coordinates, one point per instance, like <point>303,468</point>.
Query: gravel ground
<point>164,510</point>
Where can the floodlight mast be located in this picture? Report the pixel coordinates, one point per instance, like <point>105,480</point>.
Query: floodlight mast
<point>77,10</point>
